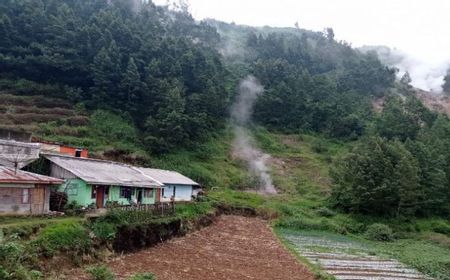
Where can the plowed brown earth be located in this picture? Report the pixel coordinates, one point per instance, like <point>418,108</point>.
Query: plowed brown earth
<point>233,248</point>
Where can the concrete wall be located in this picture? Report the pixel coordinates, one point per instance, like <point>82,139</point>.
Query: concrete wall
<point>182,193</point>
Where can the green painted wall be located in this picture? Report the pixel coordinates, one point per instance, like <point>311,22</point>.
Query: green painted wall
<point>77,190</point>
<point>114,195</point>
<point>151,199</point>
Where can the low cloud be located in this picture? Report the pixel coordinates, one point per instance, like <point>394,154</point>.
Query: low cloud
<point>425,75</point>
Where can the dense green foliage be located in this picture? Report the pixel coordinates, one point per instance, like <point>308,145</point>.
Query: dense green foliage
<point>64,236</point>
<point>379,232</point>
<point>402,168</point>
<point>312,82</point>
<point>164,72</point>
<point>14,261</point>
<point>159,67</point>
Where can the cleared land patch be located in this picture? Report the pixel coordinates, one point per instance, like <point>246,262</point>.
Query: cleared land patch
<point>232,248</point>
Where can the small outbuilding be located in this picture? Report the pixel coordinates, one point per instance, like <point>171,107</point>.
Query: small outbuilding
<point>94,182</point>
<point>174,184</point>
<point>24,193</point>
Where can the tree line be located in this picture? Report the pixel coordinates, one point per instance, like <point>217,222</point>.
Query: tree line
<point>400,168</point>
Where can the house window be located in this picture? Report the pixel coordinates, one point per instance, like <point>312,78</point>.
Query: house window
<point>78,153</point>
<point>93,192</point>
<point>162,192</point>
<point>148,193</point>
<point>125,192</point>
<point>25,196</point>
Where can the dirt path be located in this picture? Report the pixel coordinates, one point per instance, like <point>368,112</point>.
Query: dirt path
<point>234,248</point>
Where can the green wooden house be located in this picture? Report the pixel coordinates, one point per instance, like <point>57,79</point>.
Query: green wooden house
<point>97,182</point>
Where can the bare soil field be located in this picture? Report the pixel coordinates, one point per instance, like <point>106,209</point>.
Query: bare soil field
<point>233,248</point>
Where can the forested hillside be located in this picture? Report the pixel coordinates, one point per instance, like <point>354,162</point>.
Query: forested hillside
<point>164,70</point>
<point>140,78</point>
<point>159,68</point>
<point>312,82</point>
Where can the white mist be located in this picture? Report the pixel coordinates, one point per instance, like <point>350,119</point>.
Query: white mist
<point>244,146</point>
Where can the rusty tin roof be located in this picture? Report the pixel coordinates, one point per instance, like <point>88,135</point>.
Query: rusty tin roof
<point>10,176</point>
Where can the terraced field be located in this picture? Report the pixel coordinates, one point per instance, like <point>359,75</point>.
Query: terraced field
<point>347,259</point>
<point>30,112</point>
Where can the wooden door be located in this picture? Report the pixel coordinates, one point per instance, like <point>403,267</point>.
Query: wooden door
<point>37,200</point>
<point>100,196</point>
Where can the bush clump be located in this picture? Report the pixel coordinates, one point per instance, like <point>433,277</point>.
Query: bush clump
<point>441,227</point>
<point>16,262</point>
<point>73,208</point>
<point>65,236</point>
<point>143,276</point>
<point>326,212</point>
<point>104,231</point>
<point>100,272</point>
<point>379,232</point>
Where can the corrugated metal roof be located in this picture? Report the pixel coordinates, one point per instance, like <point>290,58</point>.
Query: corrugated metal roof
<point>168,177</point>
<point>102,172</point>
<point>14,153</point>
<point>10,176</point>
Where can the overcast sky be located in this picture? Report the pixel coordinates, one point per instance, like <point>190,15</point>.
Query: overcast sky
<point>419,27</point>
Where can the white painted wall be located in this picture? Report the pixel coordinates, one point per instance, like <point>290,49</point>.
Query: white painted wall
<point>182,193</point>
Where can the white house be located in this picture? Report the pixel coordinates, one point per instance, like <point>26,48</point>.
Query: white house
<point>174,184</point>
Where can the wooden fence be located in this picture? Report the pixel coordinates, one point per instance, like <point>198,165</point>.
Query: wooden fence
<point>154,209</point>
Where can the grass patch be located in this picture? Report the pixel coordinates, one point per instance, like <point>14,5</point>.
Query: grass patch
<point>68,236</point>
<point>191,211</point>
<point>143,276</point>
<point>25,227</point>
<point>427,257</point>
<point>100,272</point>
<point>210,163</point>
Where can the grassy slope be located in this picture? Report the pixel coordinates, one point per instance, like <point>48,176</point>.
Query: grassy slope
<point>300,166</point>
<point>303,174</point>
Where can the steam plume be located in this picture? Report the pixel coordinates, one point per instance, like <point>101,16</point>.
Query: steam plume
<point>244,145</point>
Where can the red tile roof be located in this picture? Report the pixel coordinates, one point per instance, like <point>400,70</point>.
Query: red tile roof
<point>9,176</point>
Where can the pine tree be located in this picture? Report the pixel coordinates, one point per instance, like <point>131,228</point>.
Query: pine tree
<point>446,85</point>
<point>5,31</point>
<point>106,76</point>
<point>406,79</point>
<point>168,127</point>
<point>131,88</point>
